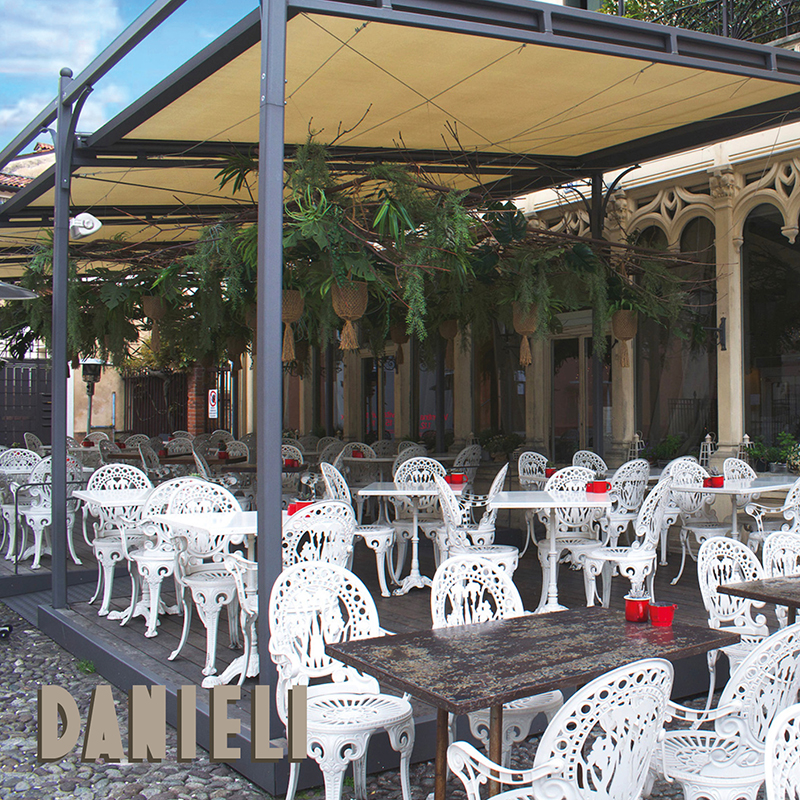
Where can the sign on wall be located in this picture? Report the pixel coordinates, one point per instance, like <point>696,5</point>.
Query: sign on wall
<point>213,404</point>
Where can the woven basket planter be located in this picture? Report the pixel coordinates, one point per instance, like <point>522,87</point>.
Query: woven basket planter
<point>624,324</point>
<point>291,311</point>
<point>525,323</point>
<point>349,304</point>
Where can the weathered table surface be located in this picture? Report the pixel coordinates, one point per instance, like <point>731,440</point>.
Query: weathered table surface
<point>781,591</point>
<point>469,667</point>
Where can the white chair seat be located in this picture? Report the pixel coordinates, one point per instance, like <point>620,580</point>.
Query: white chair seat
<point>504,555</point>
<point>356,711</point>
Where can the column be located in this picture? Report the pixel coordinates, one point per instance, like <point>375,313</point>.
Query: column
<point>353,397</point>
<point>463,389</point>
<point>537,396</point>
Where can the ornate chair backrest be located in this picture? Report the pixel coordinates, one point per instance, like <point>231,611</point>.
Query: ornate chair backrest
<point>202,439</point>
<point>575,519</point>
<point>455,517</point>
<point>34,443</point>
<point>468,461</point>
<point>791,506</point>
<point>336,487</point>
<point>468,589</point>
<point>405,444</point>
<point>72,442</point>
<point>312,604</point>
<point>194,496</point>
<point>723,560</point>
<point>416,471</point>
<point>734,469</point>
<point>238,449</point>
<point>766,682</point>
<point>137,439</point>
<point>628,485</point>
<point>182,435</point>
<point>407,453</point>
<point>590,460</point>
<point>606,733</point>
<point>220,435</point>
<point>692,505</point>
<point>325,441</point>
<point>671,465</point>
<point>783,755</point>
<point>156,442</point>
<point>201,465</point>
<point>781,554</point>
<point>158,503</point>
<point>309,443</point>
<point>327,454</point>
<point>650,518</point>
<point>531,465</point>
<point>490,515</point>
<point>149,458</point>
<point>287,440</point>
<point>290,451</point>
<point>250,440</point>
<point>357,474</point>
<point>106,447</point>
<point>322,531</point>
<point>179,447</point>
<point>40,482</point>
<point>97,436</point>
<point>18,460</point>
<point>384,448</point>
<point>116,477</point>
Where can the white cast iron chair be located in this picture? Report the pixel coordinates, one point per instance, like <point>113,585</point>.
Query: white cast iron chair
<point>322,531</point>
<point>671,512</point>
<point>34,444</point>
<point>592,461</point>
<point>782,758</point>
<point>770,518</point>
<point>459,533</point>
<point>727,762</point>
<point>150,548</point>
<point>238,566</point>
<point>467,590</point>
<point>697,517</point>
<point>151,465</point>
<point>638,562</point>
<point>16,465</point>
<point>384,448</point>
<point>628,487</point>
<point>531,468</point>
<point>781,559</point>
<point>136,439</point>
<point>357,472</point>
<point>598,746</point>
<point>468,460</point>
<point>313,604</point>
<point>379,538</point>
<point>723,560</point>
<point>106,541</point>
<point>198,565</point>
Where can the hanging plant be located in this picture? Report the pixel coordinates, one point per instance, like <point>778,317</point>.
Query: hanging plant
<point>291,311</point>
<point>349,304</point>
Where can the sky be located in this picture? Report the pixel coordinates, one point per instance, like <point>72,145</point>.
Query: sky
<point>40,37</point>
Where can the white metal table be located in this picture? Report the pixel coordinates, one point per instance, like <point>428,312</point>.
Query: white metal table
<point>751,489</point>
<point>547,501</point>
<point>238,527</point>
<point>412,492</point>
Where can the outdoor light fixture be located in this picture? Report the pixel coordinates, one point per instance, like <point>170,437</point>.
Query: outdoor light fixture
<point>10,292</point>
<point>91,370</point>
<point>83,225</point>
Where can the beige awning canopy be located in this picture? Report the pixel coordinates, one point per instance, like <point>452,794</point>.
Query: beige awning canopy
<point>529,95</point>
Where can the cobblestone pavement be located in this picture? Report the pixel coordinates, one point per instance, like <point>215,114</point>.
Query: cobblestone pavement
<point>29,659</point>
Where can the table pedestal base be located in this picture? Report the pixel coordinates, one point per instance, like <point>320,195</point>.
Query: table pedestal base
<point>412,582</point>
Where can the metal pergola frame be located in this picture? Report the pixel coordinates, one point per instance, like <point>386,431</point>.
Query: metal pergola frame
<point>523,21</point>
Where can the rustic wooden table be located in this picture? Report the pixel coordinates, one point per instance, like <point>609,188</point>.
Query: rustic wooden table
<point>781,591</point>
<point>470,667</point>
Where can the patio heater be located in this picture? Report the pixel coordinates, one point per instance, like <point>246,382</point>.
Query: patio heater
<point>91,369</point>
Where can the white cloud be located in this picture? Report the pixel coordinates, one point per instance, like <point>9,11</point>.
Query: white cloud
<point>42,36</point>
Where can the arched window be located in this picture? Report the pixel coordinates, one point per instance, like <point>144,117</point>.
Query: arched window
<point>771,307</point>
<point>676,378</point>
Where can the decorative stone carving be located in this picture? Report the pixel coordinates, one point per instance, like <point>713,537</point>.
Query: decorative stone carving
<point>724,182</point>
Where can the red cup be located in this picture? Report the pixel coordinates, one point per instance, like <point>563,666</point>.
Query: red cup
<point>636,609</point>
<point>717,481</point>
<point>222,455</point>
<point>301,504</point>
<point>162,453</point>
<point>449,479</point>
<point>662,614</point>
<point>292,508</point>
<point>357,454</point>
<point>707,483</point>
<point>601,487</point>
<point>549,472</point>
<point>459,477</point>
<point>121,445</point>
<point>86,443</point>
<point>590,487</point>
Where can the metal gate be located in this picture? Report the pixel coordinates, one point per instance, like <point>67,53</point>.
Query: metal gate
<point>25,400</point>
<point>155,403</point>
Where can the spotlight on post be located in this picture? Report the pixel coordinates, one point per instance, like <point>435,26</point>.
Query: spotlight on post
<point>91,369</point>
<point>83,225</point>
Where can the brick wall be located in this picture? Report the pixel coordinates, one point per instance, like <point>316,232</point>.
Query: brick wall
<point>197,401</point>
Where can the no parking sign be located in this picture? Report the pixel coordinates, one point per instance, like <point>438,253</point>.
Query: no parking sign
<point>213,407</point>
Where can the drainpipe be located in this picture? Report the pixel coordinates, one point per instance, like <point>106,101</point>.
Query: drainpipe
<point>596,223</point>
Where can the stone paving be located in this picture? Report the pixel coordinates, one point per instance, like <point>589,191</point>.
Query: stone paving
<point>29,659</point>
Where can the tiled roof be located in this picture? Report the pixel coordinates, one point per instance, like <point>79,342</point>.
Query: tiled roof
<point>41,147</point>
<point>13,181</point>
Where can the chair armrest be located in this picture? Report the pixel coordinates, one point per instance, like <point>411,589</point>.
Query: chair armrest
<point>758,511</point>
<point>475,770</point>
<point>699,716</point>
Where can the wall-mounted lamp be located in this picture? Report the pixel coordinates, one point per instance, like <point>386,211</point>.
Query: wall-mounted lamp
<point>720,334</point>
<point>83,225</point>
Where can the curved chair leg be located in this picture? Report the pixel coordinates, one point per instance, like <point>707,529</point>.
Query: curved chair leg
<point>360,778</point>
<point>712,656</point>
<point>591,569</point>
<point>11,523</point>
<point>136,578</point>
<point>401,738</point>
<point>187,623</point>
<point>333,754</point>
<point>683,558</point>
<point>154,585</point>
<point>607,575</point>
<point>294,773</point>
<point>70,542</point>
<point>233,624</point>
<point>664,537</point>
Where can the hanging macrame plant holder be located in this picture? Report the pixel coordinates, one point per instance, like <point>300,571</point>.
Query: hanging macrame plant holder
<point>525,325</point>
<point>292,310</point>
<point>349,304</point>
<point>154,307</point>
<point>448,331</point>
<point>398,335</point>
<point>624,324</point>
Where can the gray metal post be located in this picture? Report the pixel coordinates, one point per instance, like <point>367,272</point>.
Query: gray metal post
<point>441,346</point>
<point>58,353</point>
<point>269,364</point>
<point>597,364</point>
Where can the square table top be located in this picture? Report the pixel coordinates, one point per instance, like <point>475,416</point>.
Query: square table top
<point>113,498</point>
<point>533,499</point>
<point>233,523</point>
<point>392,489</point>
<point>783,591</point>
<point>763,483</point>
<point>469,667</point>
